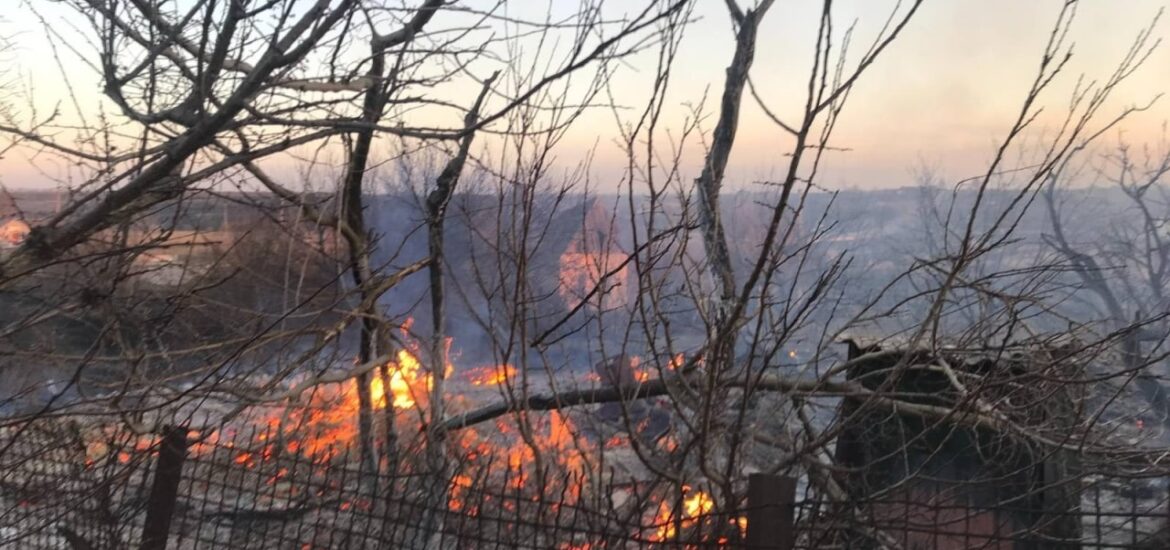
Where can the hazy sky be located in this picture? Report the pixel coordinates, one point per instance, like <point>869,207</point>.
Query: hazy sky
<point>940,97</point>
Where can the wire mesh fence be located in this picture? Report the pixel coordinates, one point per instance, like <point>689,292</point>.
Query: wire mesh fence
<point>62,489</point>
<point>250,491</point>
<point>1131,523</point>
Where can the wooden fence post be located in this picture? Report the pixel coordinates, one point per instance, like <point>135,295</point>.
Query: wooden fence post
<point>164,491</point>
<point>771,512</point>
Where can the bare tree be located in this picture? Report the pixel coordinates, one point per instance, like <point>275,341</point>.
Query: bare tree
<point>714,339</point>
<point>1125,268</point>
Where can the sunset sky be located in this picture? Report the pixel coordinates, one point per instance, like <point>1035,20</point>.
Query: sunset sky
<point>939,98</point>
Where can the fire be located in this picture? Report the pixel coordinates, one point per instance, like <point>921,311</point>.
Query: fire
<point>553,436</point>
<point>640,374</point>
<point>582,270</point>
<point>330,416</point>
<point>694,507</point>
<point>492,376</point>
<point>408,383</point>
<point>123,446</point>
<point>321,423</point>
<point>697,505</point>
<point>459,486</point>
<point>405,382</point>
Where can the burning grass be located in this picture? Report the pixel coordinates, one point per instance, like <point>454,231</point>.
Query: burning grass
<point>532,471</point>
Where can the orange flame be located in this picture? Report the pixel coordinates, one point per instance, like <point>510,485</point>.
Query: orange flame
<point>694,507</point>
<point>640,374</point>
<point>492,376</point>
<point>324,425</point>
<point>582,270</point>
<point>405,383</point>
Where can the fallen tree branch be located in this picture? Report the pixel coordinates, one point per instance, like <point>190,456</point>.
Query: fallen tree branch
<point>808,388</point>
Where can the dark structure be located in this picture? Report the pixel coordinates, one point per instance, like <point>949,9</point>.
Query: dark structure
<point>920,478</point>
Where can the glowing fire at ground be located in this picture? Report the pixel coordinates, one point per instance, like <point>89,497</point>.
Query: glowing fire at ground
<point>331,416</point>
<point>322,424</point>
<point>492,376</point>
<point>694,507</point>
<point>404,383</point>
<point>553,437</point>
<point>642,371</point>
<point>640,374</point>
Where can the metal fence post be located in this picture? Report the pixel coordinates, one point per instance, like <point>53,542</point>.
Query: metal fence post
<point>168,471</point>
<point>771,512</point>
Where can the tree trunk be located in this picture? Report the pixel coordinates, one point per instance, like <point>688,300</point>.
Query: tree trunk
<point>437,202</point>
<point>357,239</point>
